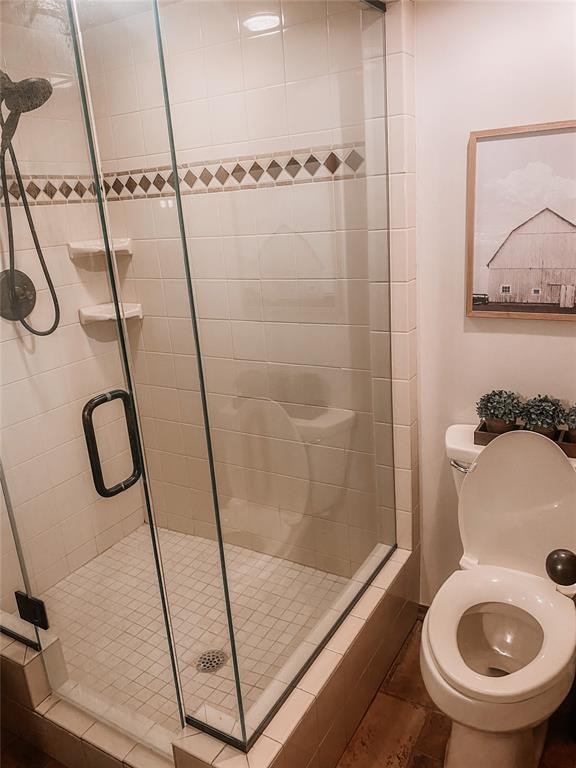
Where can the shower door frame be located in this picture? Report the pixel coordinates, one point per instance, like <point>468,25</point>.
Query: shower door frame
<point>11,633</point>
<point>244,744</point>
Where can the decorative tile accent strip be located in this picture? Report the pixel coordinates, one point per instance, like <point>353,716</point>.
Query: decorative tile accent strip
<point>281,168</point>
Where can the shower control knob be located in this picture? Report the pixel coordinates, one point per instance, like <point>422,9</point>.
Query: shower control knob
<point>17,295</point>
<point>561,567</point>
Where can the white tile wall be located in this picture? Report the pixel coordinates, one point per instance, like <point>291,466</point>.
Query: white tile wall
<point>382,307</point>
<point>45,384</point>
<point>400,95</point>
<point>298,83</point>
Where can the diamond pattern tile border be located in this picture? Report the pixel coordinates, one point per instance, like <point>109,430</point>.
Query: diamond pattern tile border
<point>297,167</point>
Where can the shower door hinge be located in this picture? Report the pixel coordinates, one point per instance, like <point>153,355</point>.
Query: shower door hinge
<point>32,609</point>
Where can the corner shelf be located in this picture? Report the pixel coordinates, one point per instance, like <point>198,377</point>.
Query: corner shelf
<point>103,312</point>
<point>122,246</point>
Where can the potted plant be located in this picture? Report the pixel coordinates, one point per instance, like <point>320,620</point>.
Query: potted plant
<point>571,423</point>
<point>499,409</point>
<point>543,414</point>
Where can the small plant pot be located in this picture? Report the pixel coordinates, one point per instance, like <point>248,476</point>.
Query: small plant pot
<point>551,432</point>
<point>572,435</point>
<point>499,426</point>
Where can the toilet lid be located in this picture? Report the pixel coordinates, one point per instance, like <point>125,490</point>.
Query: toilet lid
<point>518,503</point>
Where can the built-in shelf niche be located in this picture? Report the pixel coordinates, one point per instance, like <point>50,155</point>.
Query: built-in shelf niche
<point>122,246</point>
<point>99,313</point>
<point>104,312</point>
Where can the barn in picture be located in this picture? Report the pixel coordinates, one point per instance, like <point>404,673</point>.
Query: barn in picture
<point>536,265</point>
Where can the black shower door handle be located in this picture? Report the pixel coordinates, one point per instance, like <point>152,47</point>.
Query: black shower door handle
<point>90,435</point>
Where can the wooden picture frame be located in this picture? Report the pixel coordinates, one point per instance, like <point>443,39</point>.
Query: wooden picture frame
<point>520,299</point>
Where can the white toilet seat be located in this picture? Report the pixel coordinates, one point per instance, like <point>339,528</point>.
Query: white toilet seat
<point>536,596</point>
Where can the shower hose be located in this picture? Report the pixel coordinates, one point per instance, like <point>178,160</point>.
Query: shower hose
<point>41,259</point>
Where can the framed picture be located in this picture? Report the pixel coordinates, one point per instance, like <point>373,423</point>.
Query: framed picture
<point>521,222</point>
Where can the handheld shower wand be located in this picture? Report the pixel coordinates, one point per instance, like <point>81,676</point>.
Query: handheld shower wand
<point>17,291</point>
<point>20,97</point>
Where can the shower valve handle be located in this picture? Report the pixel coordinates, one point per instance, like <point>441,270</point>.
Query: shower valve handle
<point>561,567</point>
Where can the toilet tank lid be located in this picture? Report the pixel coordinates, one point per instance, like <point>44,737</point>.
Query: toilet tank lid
<point>460,446</point>
<point>459,442</point>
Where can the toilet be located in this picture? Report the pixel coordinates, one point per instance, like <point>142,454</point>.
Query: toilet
<point>499,640</point>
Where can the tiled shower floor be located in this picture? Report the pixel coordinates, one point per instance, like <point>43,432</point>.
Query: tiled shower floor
<point>108,617</point>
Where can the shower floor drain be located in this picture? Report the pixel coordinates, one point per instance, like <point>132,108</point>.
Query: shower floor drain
<point>211,661</point>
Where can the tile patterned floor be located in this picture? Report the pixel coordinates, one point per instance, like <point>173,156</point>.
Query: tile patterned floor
<point>416,734</point>
<point>108,617</point>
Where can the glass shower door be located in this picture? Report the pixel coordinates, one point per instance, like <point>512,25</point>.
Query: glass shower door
<point>243,151</point>
<point>128,102</point>
<point>14,576</point>
<point>70,447</point>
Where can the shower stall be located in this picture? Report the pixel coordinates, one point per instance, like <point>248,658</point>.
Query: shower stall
<point>197,449</point>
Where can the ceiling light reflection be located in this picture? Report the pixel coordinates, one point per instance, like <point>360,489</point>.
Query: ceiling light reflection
<point>262,22</point>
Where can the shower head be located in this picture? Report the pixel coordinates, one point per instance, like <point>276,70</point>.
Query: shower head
<point>23,96</point>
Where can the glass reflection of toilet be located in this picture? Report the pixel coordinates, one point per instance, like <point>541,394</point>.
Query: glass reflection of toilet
<point>499,640</point>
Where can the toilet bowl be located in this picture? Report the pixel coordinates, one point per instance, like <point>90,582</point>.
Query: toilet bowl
<point>498,645</point>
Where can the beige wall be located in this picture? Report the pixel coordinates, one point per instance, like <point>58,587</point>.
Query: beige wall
<point>479,65</point>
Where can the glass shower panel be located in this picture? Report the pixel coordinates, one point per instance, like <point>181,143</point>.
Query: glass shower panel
<point>89,557</point>
<point>279,132</point>
<point>124,73</point>
<point>13,576</point>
